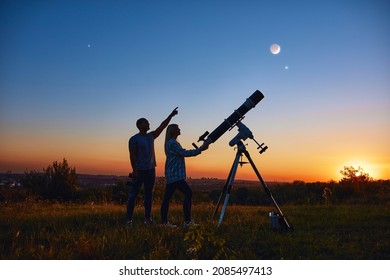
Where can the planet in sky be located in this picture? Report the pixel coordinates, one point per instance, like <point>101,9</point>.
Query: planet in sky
<point>275,49</point>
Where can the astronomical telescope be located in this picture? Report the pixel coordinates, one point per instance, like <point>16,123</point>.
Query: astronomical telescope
<point>243,134</point>
<point>232,120</point>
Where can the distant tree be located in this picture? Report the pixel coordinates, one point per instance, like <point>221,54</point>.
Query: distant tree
<point>58,181</point>
<point>298,183</point>
<point>35,182</point>
<point>355,179</point>
<point>352,175</point>
<point>62,180</point>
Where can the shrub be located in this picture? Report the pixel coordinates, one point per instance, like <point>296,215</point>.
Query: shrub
<point>58,181</point>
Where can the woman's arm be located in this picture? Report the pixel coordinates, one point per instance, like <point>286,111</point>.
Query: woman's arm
<point>175,148</point>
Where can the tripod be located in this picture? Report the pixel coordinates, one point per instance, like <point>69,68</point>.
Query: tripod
<point>241,149</point>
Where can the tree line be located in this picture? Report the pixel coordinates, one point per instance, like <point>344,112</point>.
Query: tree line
<point>59,182</point>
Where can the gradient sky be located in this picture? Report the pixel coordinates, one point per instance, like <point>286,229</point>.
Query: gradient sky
<point>76,75</point>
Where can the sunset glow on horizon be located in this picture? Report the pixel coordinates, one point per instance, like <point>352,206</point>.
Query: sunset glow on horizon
<point>73,83</point>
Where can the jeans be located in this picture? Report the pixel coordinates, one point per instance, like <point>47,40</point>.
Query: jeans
<point>146,178</point>
<point>169,190</point>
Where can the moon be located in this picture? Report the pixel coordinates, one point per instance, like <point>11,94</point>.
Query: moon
<point>275,49</point>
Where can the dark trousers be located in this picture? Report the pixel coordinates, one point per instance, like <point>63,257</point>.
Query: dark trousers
<point>146,178</point>
<point>169,191</point>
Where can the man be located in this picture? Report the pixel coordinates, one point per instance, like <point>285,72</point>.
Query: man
<point>143,162</point>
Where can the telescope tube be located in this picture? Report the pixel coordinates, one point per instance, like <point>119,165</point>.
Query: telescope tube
<point>237,115</point>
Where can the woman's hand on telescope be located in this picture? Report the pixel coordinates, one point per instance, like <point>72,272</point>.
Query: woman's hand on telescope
<point>204,147</point>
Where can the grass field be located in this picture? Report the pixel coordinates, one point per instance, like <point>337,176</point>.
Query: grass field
<point>74,231</point>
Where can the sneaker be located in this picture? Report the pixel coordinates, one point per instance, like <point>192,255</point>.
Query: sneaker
<point>169,225</point>
<point>129,223</point>
<point>148,222</point>
<point>190,224</point>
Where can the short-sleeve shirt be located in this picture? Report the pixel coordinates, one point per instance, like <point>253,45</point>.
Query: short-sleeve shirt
<point>144,146</point>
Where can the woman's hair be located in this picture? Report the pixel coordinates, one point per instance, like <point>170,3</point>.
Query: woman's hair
<point>169,135</point>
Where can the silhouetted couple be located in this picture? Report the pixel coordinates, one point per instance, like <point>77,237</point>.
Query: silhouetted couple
<point>143,162</point>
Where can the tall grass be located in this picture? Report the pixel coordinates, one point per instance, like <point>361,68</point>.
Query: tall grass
<point>88,231</point>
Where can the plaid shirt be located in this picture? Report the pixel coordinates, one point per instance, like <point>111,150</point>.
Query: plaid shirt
<point>175,167</point>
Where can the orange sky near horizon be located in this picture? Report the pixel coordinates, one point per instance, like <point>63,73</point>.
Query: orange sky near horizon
<point>109,156</point>
<point>196,168</point>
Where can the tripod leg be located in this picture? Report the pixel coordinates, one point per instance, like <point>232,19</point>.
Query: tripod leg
<point>229,186</point>
<point>222,194</point>
<point>223,190</point>
<point>283,220</point>
<point>219,200</point>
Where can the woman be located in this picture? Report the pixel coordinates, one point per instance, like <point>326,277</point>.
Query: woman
<point>175,175</point>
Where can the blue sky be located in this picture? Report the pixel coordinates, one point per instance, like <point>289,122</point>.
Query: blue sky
<point>75,76</point>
